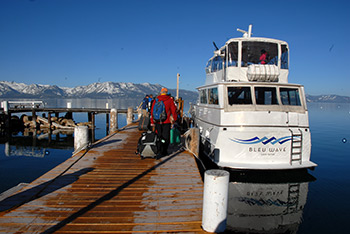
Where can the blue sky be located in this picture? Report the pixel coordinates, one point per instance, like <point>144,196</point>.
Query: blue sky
<point>78,42</point>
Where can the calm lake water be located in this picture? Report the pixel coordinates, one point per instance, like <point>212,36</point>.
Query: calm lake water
<point>298,202</point>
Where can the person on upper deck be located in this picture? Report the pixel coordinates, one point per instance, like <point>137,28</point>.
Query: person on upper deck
<point>163,128</point>
<point>263,57</point>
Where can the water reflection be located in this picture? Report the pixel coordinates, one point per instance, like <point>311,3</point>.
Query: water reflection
<point>32,143</point>
<point>267,202</point>
<point>28,151</point>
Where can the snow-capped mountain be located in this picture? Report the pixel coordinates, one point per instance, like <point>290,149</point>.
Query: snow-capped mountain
<point>114,90</point>
<point>95,90</point>
<point>328,98</point>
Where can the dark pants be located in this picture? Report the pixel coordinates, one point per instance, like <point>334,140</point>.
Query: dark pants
<point>163,131</point>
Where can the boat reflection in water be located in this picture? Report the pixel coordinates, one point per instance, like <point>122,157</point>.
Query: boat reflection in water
<point>267,205</point>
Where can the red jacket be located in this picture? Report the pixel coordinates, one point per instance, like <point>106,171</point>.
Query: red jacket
<point>169,107</point>
<point>263,58</point>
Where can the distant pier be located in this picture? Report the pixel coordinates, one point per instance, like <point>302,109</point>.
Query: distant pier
<point>8,121</point>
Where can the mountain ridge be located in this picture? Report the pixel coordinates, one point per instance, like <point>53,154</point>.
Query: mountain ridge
<point>11,89</point>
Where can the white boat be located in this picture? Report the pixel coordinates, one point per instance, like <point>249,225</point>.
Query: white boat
<point>248,115</point>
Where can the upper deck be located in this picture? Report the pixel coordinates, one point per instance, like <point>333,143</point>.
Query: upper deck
<point>249,59</point>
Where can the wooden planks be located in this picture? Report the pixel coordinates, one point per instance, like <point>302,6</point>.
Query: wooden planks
<point>109,189</point>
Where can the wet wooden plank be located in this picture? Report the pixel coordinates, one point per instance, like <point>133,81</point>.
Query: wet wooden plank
<point>109,189</point>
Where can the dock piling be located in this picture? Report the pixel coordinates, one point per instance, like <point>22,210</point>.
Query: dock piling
<point>5,106</point>
<point>113,125</point>
<point>215,200</point>
<point>130,115</point>
<point>81,138</point>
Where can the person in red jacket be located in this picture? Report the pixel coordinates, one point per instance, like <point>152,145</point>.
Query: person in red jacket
<point>163,128</point>
<point>263,57</point>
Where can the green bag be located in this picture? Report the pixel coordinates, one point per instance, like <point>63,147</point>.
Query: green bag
<point>175,136</point>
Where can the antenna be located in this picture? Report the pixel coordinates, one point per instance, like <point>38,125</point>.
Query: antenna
<point>245,33</point>
<point>215,46</point>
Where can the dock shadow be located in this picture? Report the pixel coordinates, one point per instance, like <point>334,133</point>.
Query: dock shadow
<point>107,197</point>
<point>41,190</point>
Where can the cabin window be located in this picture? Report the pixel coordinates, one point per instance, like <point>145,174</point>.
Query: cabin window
<point>213,96</point>
<point>252,53</point>
<point>284,57</point>
<point>232,54</point>
<point>203,96</point>
<point>217,64</point>
<point>290,96</point>
<point>265,96</point>
<point>208,67</point>
<point>239,95</point>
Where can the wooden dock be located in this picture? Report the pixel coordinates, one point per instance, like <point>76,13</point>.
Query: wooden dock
<point>109,189</point>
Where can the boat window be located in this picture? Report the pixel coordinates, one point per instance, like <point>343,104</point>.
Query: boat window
<point>259,53</point>
<point>239,95</point>
<point>217,64</point>
<point>232,54</point>
<point>265,96</point>
<point>203,96</point>
<point>284,57</point>
<point>290,96</point>
<point>208,67</point>
<point>213,96</point>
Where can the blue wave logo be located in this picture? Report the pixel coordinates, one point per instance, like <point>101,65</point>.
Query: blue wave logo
<point>264,140</point>
<point>262,202</point>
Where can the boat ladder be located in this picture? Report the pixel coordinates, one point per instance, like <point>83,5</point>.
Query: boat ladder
<point>293,198</point>
<point>296,148</point>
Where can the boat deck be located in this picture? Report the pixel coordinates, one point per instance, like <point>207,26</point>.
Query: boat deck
<point>109,189</point>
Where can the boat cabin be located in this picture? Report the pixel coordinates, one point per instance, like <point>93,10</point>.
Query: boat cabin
<point>249,59</point>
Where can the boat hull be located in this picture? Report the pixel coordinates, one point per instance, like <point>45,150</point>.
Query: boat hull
<point>256,148</point>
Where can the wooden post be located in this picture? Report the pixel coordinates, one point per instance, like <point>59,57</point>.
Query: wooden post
<point>93,127</point>
<point>107,123</point>
<point>34,119</point>
<point>130,115</point>
<point>89,116</point>
<point>113,122</point>
<point>177,86</point>
<point>50,135</point>
<point>49,119</point>
<point>69,115</point>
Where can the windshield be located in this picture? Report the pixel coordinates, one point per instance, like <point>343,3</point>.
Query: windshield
<point>239,95</point>
<point>263,95</point>
<point>259,53</point>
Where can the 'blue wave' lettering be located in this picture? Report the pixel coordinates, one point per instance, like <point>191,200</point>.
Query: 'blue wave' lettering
<point>264,140</point>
